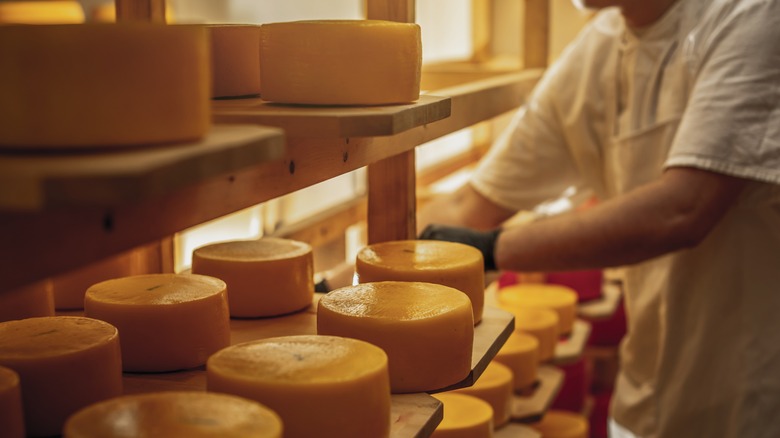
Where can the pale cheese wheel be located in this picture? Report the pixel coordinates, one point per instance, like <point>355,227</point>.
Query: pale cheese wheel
<point>448,263</point>
<point>28,301</point>
<point>103,85</point>
<point>426,329</point>
<point>69,288</point>
<point>323,386</point>
<point>167,322</point>
<point>539,323</point>
<point>561,299</point>
<point>11,414</point>
<point>41,12</point>
<point>235,60</point>
<point>562,424</point>
<point>340,62</point>
<point>64,364</point>
<point>496,387</point>
<point>175,414</point>
<point>520,353</point>
<point>265,277</point>
<point>465,416</point>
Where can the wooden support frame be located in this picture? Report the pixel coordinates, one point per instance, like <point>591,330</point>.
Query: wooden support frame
<point>140,10</point>
<point>536,33</point>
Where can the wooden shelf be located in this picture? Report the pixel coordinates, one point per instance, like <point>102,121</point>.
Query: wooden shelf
<point>570,349</point>
<point>529,408</point>
<point>604,307</point>
<point>514,430</point>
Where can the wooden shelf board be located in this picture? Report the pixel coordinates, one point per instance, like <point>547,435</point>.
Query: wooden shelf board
<point>604,307</point>
<point>531,408</point>
<point>514,430</point>
<point>571,348</point>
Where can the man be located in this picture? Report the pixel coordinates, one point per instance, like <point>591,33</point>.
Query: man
<point>669,111</point>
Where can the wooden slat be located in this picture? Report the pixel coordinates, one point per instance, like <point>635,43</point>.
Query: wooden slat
<point>392,199</point>
<point>529,408</point>
<point>481,29</point>
<point>140,10</point>
<point>536,33</point>
<point>392,10</point>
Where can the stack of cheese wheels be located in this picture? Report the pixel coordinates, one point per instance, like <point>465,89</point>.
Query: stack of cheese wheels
<point>562,424</point>
<point>64,364</point>
<point>69,289</point>
<point>448,263</point>
<point>426,329</point>
<point>340,62</point>
<point>520,353</point>
<point>465,416</point>
<point>539,323</point>
<point>175,414</point>
<point>265,277</point>
<point>496,387</point>
<point>168,322</point>
<point>561,299</point>
<point>235,60</point>
<point>41,12</point>
<point>103,85</point>
<point>11,415</point>
<point>323,386</point>
<point>28,301</point>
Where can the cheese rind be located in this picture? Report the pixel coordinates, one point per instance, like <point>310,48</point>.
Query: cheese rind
<point>496,387</point>
<point>465,416</point>
<point>235,60</point>
<point>539,323</point>
<point>41,12</point>
<point>27,302</point>
<point>168,322</point>
<point>520,353</point>
<point>393,315</point>
<point>323,386</point>
<point>562,424</point>
<point>11,415</point>
<point>561,299</point>
<point>175,414</point>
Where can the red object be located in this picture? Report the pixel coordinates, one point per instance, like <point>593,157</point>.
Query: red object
<point>599,415</point>
<point>574,388</point>
<point>587,284</point>
<point>608,332</point>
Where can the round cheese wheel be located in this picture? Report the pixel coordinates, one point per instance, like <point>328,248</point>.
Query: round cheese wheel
<point>168,322</point>
<point>69,289</point>
<point>426,329</point>
<point>64,364</point>
<point>451,264</point>
<point>29,301</point>
<point>323,386</point>
<point>465,416</point>
<point>562,424</point>
<point>539,323</point>
<point>235,60</point>
<point>175,414</point>
<point>100,85</point>
<point>520,353</point>
<point>496,387</point>
<point>41,12</point>
<point>265,277</point>
<point>561,299</point>
<point>11,415</point>
<point>340,62</point>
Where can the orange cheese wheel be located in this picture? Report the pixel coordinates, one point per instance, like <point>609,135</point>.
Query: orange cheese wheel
<point>451,264</point>
<point>539,323</point>
<point>41,12</point>
<point>103,85</point>
<point>69,289</point>
<point>561,299</point>
<point>175,414</point>
<point>64,364</point>
<point>235,60</point>
<point>265,277</point>
<point>426,329</point>
<point>321,386</point>
<point>11,415</point>
<point>167,322</point>
<point>520,353</point>
<point>340,62</point>
<point>29,301</point>
<point>106,13</point>
<point>465,416</point>
<point>562,424</point>
<point>496,387</point>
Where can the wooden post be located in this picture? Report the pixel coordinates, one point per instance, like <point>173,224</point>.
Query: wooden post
<point>481,29</point>
<point>392,10</point>
<point>140,10</point>
<point>536,33</point>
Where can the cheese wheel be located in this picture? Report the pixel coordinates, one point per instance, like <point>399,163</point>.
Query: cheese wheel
<point>11,415</point>
<point>465,416</point>
<point>496,387</point>
<point>106,12</point>
<point>175,414</point>
<point>539,323</point>
<point>561,299</point>
<point>235,60</point>
<point>69,289</point>
<point>41,12</point>
<point>64,364</point>
<point>29,301</point>
<point>562,424</point>
<point>103,85</point>
<point>323,386</point>
<point>168,322</point>
<point>265,277</point>
<point>451,264</point>
<point>340,62</point>
<point>426,329</point>
<point>520,353</point>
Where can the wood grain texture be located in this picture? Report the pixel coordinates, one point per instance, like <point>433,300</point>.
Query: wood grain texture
<point>140,10</point>
<point>536,33</point>
<point>391,199</point>
<point>392,10</point>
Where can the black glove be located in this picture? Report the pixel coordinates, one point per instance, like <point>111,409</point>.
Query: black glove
<point>485,241</point>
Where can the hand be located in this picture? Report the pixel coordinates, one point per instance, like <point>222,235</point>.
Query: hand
<point>485,241</point>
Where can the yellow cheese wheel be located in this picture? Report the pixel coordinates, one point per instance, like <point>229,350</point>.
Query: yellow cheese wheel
<point>451,264</point>
<point>561,299</point>
<point>520,353</point>
<point>541,324</point>
<point>41,12</point>
<point>106,12</point>
<point>426,329</point>
<point>265,277</point>
<point>167,322</point>
<point>321,386</point>
<point>175,414</point>
<point>496,387</point>
<point>465,416</point>
<point>235,60</point>
<point>11,415</point>
<point>103,85</point>
<point>69,288</point>
<point>340,62</point>
<point>64,364</point>
<point>28,301</point>
<point>562,424</point>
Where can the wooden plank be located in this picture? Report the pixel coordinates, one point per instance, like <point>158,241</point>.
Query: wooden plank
<point>391,199</point>
<point>481,29</point>
<point>604,307</point>
<point>514,430</point>
<point>393,10</point>
<point>529,408</point>
<point>140,10</point>
<point>536,33</point>
<point>570,349</point>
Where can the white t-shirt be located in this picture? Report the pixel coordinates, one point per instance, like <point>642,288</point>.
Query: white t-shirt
<point>699,88</point>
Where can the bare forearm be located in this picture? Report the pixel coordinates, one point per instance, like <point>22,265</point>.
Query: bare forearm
<point>465,207</point>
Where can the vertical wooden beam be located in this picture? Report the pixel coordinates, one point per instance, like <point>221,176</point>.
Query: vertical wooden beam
<point>536,33</point>
<point>140,10</point>
<point>481,29</point>
<point>392,10</point>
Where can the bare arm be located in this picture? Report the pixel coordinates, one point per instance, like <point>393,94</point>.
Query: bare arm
<point>465,207</point>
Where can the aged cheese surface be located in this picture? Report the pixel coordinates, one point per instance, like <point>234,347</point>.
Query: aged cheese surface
<point>562,424</point>
<point>11,415</point>
<point>520,353</point>
<point>541,324</point>
<point>561,299</point>
<point>465,416</point>
<point>235,60</point>
<point>496,387</point>
<point>41,12</point>
<point>29,301</point>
